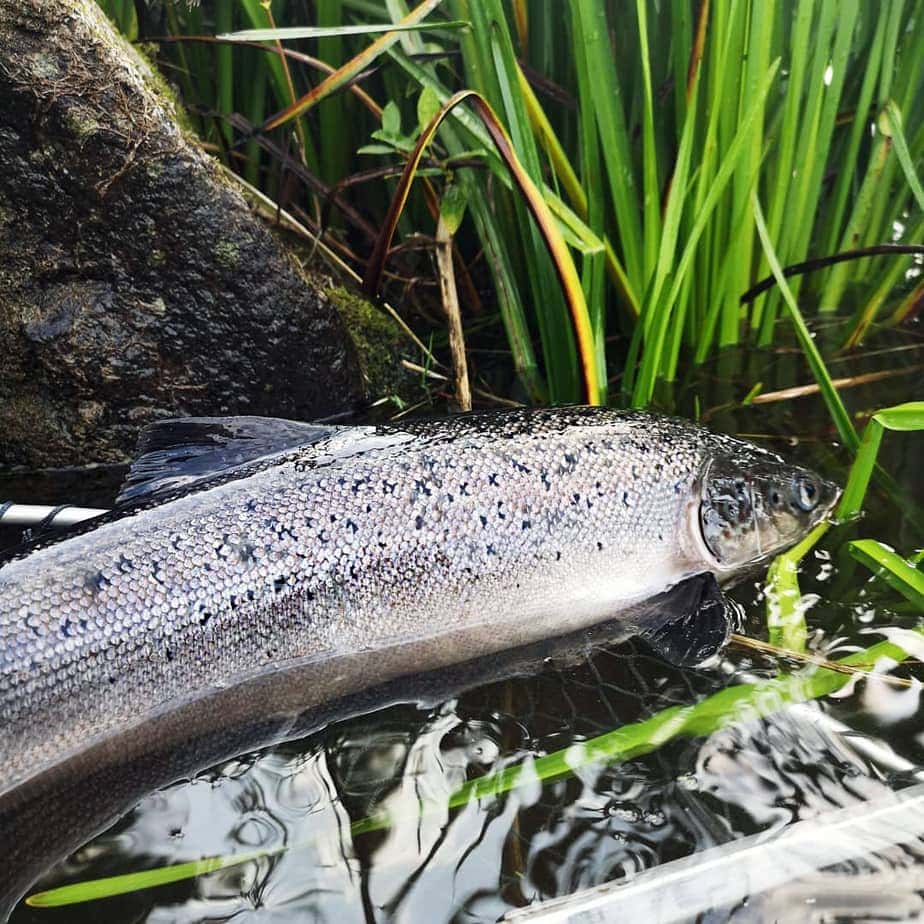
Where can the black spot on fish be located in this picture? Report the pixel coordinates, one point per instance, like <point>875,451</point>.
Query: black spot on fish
<point>125,564</point>
<point>558,556</point>
<point>352,526</point>
<point>490,549</point>
<point>279,583</point>
<point>527,524</point>
<point>247,553</point>
<point>484,520</point>
<point>418,522</point>
<point>463,489</point>
<point>251,505</point>
<point>169,653</point>
<point>492,479</point>
<point>98,582</point>
<point>599,546</point>
<point>625,498</point>
<point>66,627</point>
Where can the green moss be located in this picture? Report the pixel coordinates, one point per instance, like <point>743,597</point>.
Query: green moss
<point>227,254</point>
<point>81,120</point>
<point>379,343</point>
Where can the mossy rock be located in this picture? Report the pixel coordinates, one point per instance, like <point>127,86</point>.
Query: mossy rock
<point>135,281</point>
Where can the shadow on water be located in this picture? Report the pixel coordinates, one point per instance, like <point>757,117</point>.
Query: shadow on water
<point>603,823</point>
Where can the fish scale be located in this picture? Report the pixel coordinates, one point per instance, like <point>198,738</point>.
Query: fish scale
<point>493,530</point>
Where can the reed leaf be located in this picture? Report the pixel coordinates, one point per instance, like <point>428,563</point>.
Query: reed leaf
<point>893,569</point>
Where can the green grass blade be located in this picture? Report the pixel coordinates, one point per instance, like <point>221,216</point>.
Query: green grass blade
<point>892,568</point>
<point>95,889</point>
<point>858,128</point>
<point>785,614</point>
<point>651,189</point>
<point>829,393</point>
<point>652,357</point>
<point>590,20</point>
<point>290,33</point>
<point>902,417</point>
<point>892,124</point>
<point>224,68</point>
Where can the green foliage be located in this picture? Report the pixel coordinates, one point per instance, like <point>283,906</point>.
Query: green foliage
<point>124,15</point>
<point>895,570</point>
<point>903,417</point>
<point>812,107</point>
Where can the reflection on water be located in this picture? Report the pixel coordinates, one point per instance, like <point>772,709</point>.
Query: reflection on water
<point>602,823</point>
<point>598,824</point>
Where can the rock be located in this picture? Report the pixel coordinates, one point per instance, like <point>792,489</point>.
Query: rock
<point>135,281</point>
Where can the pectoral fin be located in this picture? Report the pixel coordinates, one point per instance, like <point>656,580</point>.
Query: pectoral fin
<point>690,622</point>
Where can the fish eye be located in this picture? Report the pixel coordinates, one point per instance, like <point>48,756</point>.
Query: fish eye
<point>775,498</point>
<point>807,494</point>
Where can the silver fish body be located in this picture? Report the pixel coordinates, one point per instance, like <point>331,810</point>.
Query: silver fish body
<point>479,533</point>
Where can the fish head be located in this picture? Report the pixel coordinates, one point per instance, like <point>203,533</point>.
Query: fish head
<point>753,505</point>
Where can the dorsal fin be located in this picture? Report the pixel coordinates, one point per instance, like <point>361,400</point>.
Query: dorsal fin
<point>180,452</point>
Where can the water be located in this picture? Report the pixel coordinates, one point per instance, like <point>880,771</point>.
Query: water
<point>601,823</point>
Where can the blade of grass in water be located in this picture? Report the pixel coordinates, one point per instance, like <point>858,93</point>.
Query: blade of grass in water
<point>785,611</point>
<point>902,417</point>
<point>898,573</point>
<point>740,703</point>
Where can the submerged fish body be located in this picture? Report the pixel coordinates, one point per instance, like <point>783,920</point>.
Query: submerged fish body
<point>476,533</point>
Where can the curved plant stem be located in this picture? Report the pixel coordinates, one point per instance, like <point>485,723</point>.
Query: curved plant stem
<point>561,258</point>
